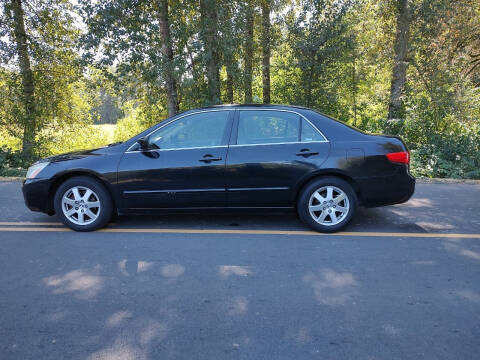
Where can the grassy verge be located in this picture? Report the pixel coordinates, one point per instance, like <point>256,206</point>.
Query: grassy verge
<point>13,173</point>
<point>425,180</point>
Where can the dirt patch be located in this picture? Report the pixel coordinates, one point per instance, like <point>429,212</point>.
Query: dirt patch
<point>447,181</point>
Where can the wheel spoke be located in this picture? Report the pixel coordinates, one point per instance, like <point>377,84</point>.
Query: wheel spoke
<point>333,216</point>
<point>87,194</point>
<point>81,218</point>
<point>68,201</point>
<point>341,209</point>
<point>329,193</point>
<point>93,204</point>
<point>70,212</point>
<point>316,207</point>
<point>319,197</point>
<point>339,198</point>
<point>322,216</point>
<point>76,194</point>
<point>90,214</point>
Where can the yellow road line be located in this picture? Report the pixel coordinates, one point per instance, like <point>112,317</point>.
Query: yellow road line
<point>34,229</point>
<point>27,223</point>
<point>249,232</point>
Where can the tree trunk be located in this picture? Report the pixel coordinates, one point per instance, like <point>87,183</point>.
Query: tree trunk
<point>354,89</point>
<point>229,95</point>
<point>28,85</point>
<point>248,57</point>
<point>167,53</point>
<point>266,51</point>
<point>229,50</point>
<point>396,108</point>
<point>308,82</point>
<point>208,12</point>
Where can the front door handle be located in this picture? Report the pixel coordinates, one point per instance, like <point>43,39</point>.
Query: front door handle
<point>209,158</point>
<point>306,153</point>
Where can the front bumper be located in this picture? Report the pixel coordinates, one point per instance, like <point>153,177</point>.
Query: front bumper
<point>36,193</point>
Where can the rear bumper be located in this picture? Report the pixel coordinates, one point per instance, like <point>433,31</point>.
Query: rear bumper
<point>36,195</point>
<point>387,190</point>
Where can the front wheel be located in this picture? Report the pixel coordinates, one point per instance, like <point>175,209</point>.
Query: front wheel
<point>83,204</point>
<point>327,204</point>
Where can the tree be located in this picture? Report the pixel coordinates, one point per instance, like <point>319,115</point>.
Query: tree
<point>231,41</point>
<point>41,71</point>
<point>265,44</point>
<point>320,43</point>
<point>209,33</point>
<point>248,51</point>
<point>396,108</point>
<point>137,38</point>
<point>28,85</point>
<point>464,21</point>
<point>167,52</point>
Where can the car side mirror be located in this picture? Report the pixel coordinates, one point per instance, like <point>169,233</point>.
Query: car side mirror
<point>144,143</point>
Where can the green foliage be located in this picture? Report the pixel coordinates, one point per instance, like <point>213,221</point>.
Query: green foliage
<point>12,163</point>
<point>334,56</point>
<point>454,152</point>
<point>137,119</point>
<point>129,126</point>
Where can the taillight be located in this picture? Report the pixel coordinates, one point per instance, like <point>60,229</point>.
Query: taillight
<point>402,157</point>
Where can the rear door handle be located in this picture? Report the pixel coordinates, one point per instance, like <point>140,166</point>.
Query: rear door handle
<point>306,153</point>
<point>209,158</point>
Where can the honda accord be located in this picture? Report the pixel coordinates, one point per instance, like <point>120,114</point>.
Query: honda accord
<point>252,157</point>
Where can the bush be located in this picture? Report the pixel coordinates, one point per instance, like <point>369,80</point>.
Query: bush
<point>12,163</point>
<point>454,153</point>
<point>128,126</point>
<point>84,137</point>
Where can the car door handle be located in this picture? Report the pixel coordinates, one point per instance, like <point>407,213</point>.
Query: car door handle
<point>209,158</point>
<point>306,153</point>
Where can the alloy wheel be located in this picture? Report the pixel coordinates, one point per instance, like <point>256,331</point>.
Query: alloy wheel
<point>329,205</point>
<point>81,205</point>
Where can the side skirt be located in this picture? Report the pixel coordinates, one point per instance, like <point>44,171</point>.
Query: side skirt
<point>209,210</point>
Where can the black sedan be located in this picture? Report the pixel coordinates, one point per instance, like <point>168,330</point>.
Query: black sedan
<point>227,157</point>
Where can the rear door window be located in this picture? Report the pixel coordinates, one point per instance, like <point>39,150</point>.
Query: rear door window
<point>267,127</point>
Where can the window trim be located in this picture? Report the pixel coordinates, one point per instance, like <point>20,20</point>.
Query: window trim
<point>237,120</point>
<point>228,130</point>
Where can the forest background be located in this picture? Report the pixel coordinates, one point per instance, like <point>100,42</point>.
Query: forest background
<point>78,74</point>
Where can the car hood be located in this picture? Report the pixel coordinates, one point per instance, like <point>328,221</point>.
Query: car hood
<point>81,154</point>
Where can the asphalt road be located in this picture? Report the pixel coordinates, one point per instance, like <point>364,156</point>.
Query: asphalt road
<point>402,282</point>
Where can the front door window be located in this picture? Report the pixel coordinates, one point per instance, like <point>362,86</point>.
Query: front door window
<point>197,130</point>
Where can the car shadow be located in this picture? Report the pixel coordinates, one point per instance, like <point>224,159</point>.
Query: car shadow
<point>383,220</point>
<point>433,208</point>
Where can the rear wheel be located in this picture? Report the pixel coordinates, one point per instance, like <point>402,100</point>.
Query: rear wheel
<point>83,204</point>
<point>327,204</point>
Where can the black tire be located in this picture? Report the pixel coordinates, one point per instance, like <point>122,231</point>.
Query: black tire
<point>106,206</point>
<point>310,188</point>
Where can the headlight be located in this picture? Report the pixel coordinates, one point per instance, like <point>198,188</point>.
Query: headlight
<point>35,169</point>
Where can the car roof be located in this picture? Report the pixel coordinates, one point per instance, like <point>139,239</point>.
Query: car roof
<point>255,105</point>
